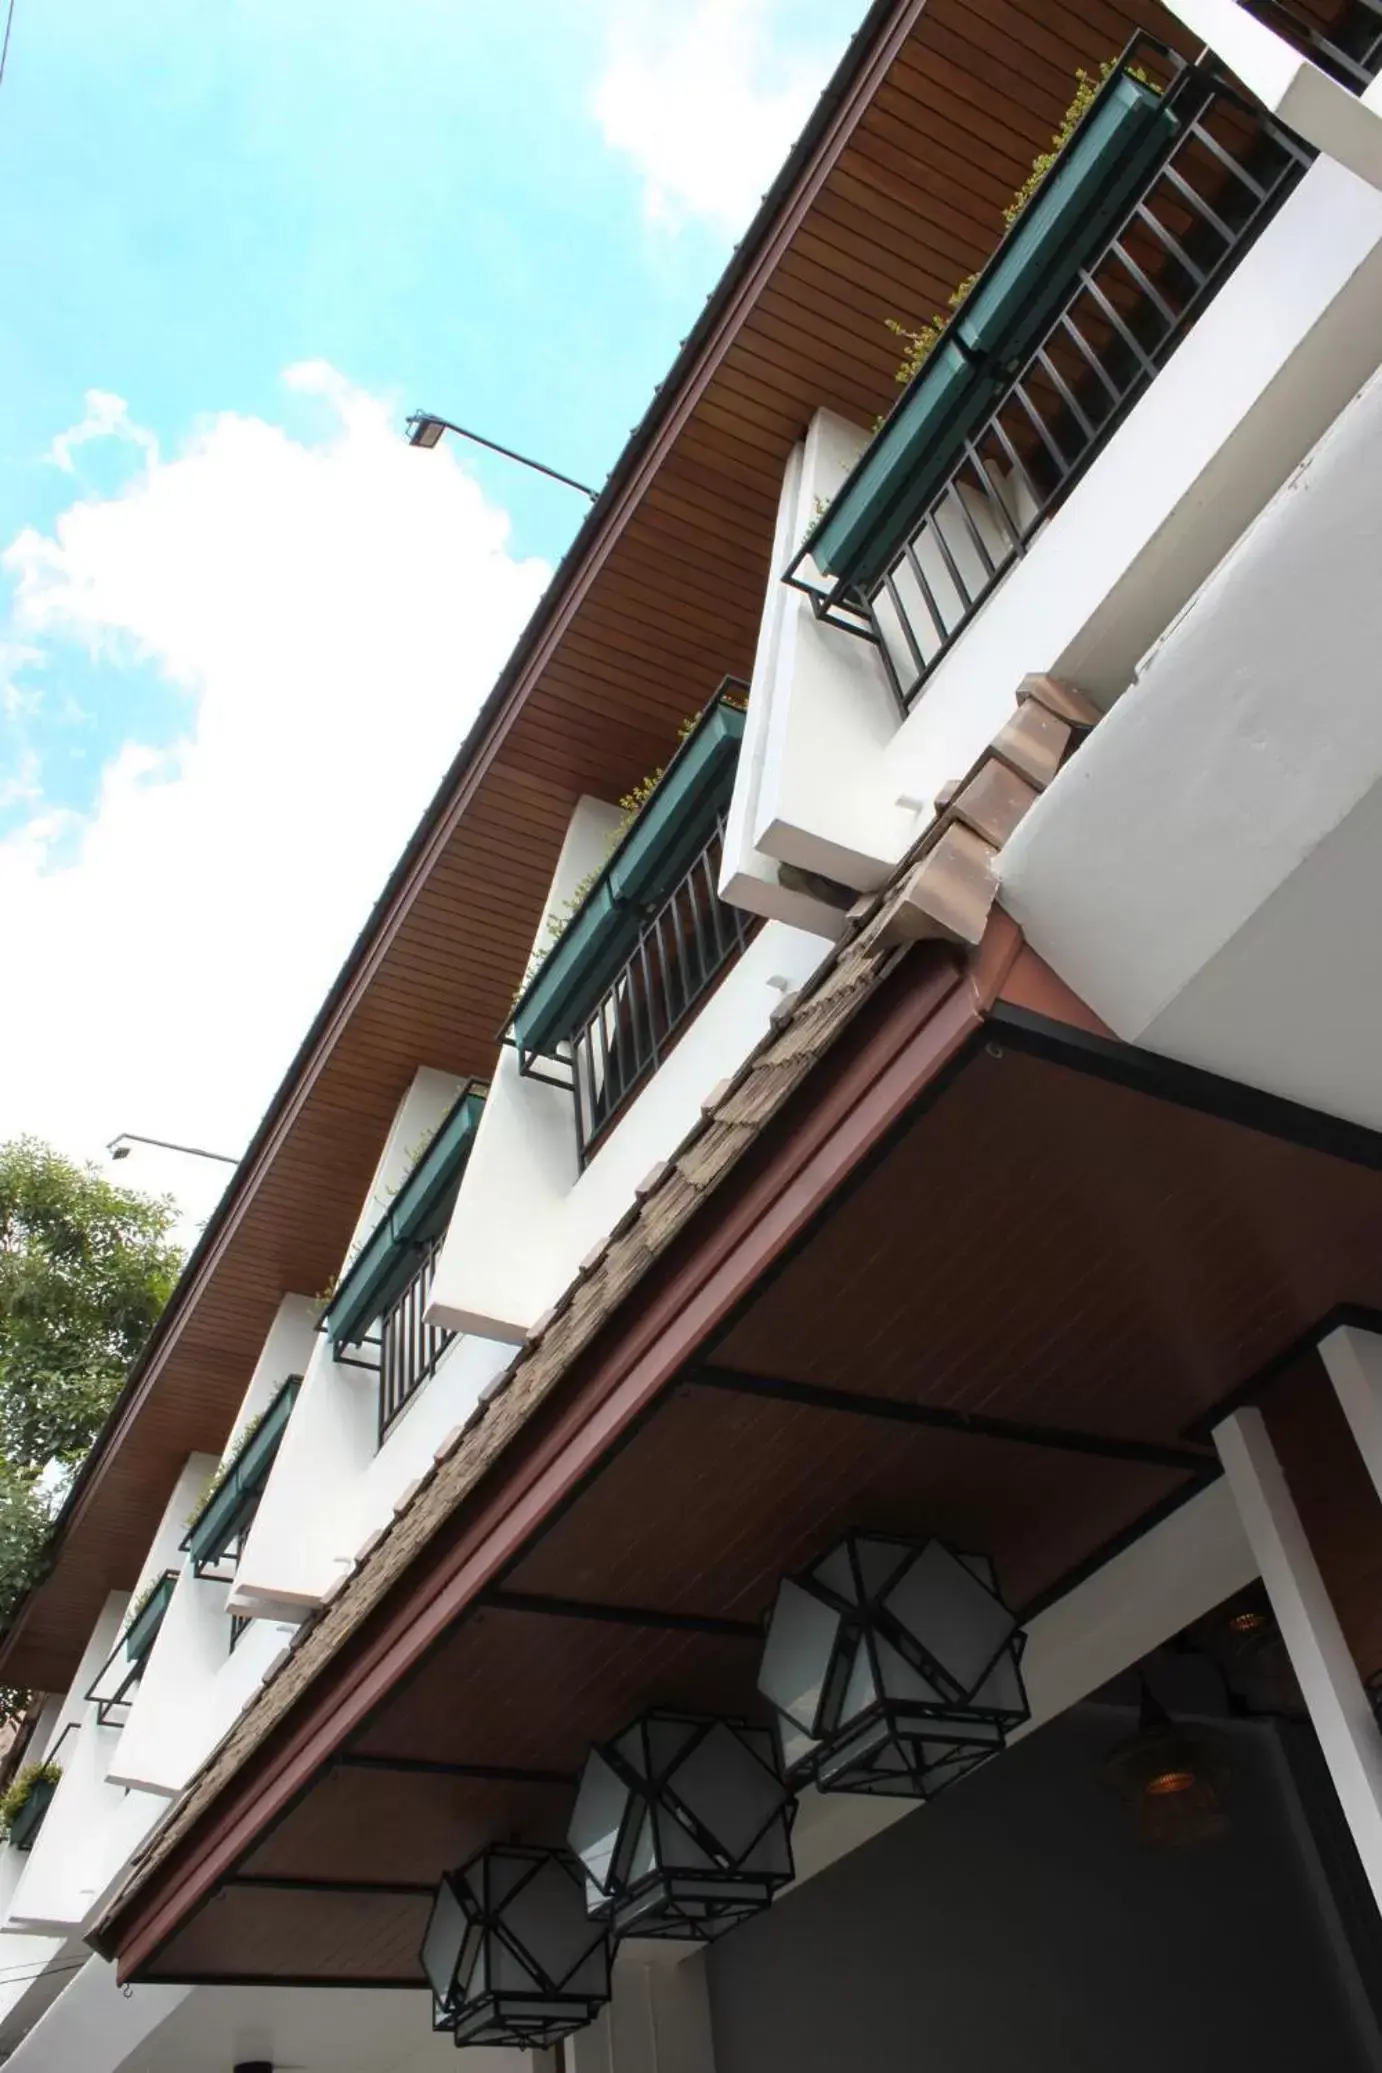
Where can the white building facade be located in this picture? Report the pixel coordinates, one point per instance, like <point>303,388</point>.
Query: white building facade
<point>1086,659</point>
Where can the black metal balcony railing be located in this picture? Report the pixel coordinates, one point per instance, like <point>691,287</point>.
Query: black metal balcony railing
<point>409,1347</point>
<point>1206,196</point>
<point>1346,42</point>
<point>680,952</point>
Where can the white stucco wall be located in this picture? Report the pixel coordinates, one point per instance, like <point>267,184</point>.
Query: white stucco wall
<point>89,1826</point>
<point>820,714</point>
<point>1286,342</point>
<point>23,1957</point>
<point>194,1687</point>
<point>1205,872</point>
<point>332,1484</point>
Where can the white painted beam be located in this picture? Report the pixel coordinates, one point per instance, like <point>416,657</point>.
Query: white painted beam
<point>1353,1362</point>
<point>1324,1666</point>
<point>1290,86</point>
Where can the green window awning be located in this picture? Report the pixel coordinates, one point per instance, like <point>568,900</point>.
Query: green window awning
<point>231,1506</point>
<point>142,1631</point>
<point>419,1213</point>
<point>985,345</point>
<point>660,847</point>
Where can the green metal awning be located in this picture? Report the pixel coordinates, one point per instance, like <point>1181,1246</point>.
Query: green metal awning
<point>142,1631</point>
<point>658,849</point>
<point>420,1212</point>
<point>234,1501</point>
<point>1032,272</point>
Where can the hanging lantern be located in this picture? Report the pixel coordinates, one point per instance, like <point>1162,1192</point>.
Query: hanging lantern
<point>510,1953</point>
<point>893,1666</point>
<point>1168,1776</point>
<point>682,1826</point>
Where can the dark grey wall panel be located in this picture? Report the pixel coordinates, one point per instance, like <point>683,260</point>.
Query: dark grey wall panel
<point>1018,1926</point>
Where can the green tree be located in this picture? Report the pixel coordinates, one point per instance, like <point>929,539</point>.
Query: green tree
<point>85,1269</point>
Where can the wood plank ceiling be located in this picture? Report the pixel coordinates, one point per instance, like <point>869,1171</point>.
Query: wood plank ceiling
<point>1040,1246</point>
<point>891,199</point>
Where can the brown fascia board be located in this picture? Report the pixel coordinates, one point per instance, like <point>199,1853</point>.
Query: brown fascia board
<point>358,1647</point>
<point>871,50</point>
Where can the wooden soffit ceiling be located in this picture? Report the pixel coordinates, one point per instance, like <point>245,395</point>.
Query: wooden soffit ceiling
<point>894,194</point>
<point>1011,1326</point>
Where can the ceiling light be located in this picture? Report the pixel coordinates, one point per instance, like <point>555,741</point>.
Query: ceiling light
<point>510,1953</point>
<point>893,1666</point>
<point>682,1824</point>
<point>1167,1775</point>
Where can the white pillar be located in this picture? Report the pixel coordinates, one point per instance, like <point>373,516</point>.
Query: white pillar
<point>1320,1656</point>
<point>1353,1362</point>
<point>657,2022</point>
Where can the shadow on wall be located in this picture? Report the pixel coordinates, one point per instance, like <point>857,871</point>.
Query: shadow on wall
<point>1019,1925</point>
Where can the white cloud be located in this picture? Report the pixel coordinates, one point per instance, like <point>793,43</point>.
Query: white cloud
<point>707,98</point>
<point>107,417</point>
<point>334,614</point>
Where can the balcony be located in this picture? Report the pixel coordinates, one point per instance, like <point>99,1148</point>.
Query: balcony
<point>1167,180</point>
<point>380,1306</point>
<point>648,941</point>
<point>112,1691</point>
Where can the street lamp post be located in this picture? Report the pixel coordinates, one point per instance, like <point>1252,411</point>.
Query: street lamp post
<point>425,429</point>
<point>120,1148</point>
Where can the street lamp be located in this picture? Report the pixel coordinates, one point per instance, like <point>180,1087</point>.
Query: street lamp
<point>425,429</point>
<point>121,1146</point>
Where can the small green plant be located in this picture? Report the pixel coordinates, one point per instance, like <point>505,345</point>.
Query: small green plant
<point>921,344</point>
<point>143,1600</point>
<point>217,1481</point>
<point>19,1791</point>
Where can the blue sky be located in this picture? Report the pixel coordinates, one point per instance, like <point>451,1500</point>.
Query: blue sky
<point>428,203</point>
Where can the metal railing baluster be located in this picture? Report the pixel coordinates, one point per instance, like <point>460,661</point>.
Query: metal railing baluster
<point>409,1347</point>
<point>680,953</point>
<point>1087,401</point>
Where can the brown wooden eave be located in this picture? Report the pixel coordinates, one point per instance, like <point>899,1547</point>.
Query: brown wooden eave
<point>893,193</point>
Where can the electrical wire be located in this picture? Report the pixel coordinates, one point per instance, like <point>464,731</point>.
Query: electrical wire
<point>14,1979</point>
<point>5,46</point>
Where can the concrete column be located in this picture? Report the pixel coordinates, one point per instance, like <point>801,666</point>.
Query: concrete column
<point>657,2022</point>
<point>1353,1362</point>
<point>1324,1666</point>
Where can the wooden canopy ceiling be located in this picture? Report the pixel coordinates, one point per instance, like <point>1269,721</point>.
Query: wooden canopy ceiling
<point>894,194</point>
<point>1007,1327</point>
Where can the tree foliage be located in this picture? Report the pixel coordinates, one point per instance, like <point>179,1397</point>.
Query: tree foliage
<point>85,1268</point>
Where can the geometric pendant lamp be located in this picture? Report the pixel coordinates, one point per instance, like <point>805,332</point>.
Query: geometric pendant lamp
<point>510,1953</point>
<point>894,1668</point>
<point>682,1826</point>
